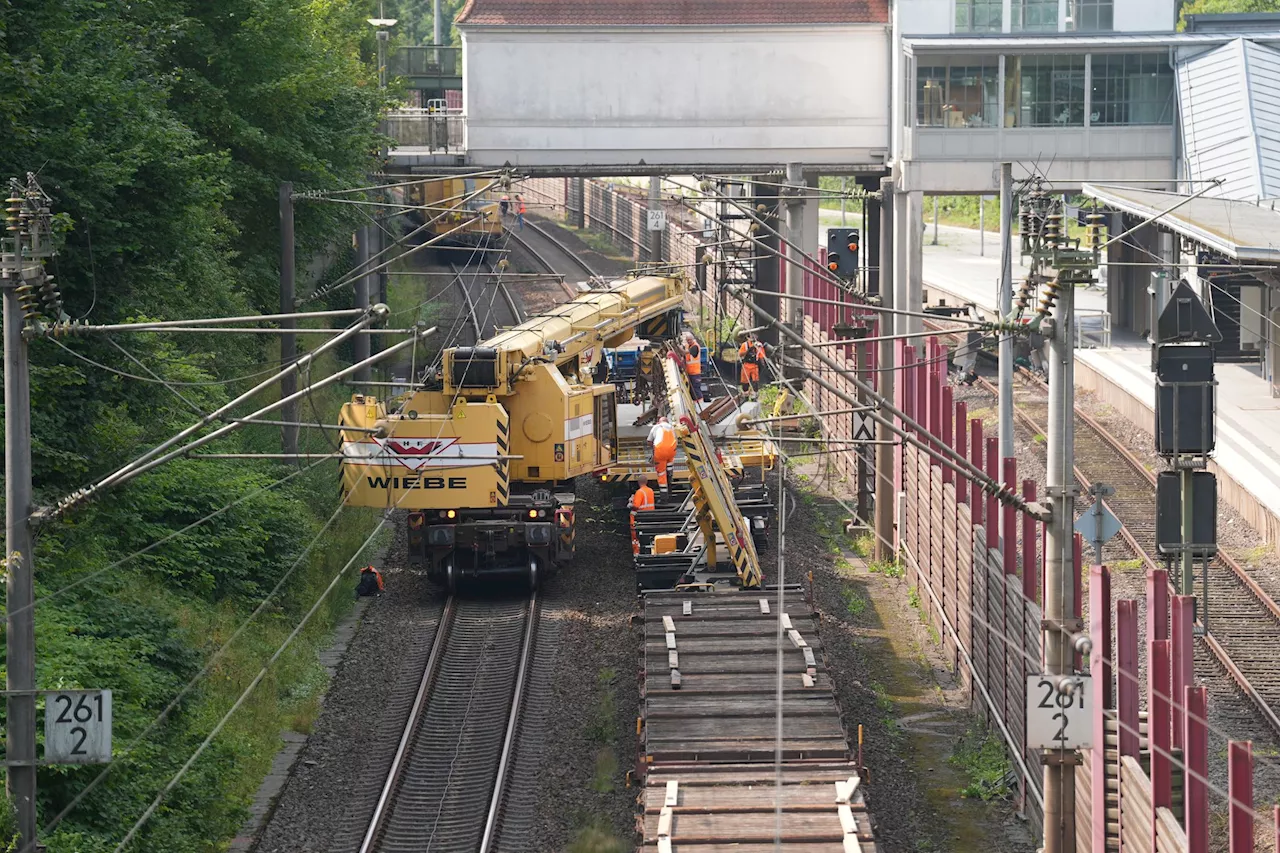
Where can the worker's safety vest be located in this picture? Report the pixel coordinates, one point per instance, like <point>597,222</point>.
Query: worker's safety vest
<point>643,499</point>
<point>693,363</point>
<point>750,354</point>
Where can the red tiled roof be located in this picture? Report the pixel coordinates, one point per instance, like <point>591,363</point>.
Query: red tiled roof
<point>580,13</point>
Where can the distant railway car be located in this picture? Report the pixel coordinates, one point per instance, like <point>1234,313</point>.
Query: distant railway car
<point>457,198</point>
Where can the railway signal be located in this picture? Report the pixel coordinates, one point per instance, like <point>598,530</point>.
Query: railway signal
<point>842,251</point>
<point>1183,361</point>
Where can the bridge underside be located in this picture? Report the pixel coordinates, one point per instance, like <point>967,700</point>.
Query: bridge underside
<point>624,164</point>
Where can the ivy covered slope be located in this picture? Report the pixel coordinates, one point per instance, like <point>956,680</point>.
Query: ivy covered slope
<point>161,130</point>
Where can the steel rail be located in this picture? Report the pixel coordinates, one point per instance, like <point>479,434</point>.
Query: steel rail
<point>553,240</point>
<point>1215,647</point>
<point>467,300</point>
<point>382,810</point>
<point>513,725</point>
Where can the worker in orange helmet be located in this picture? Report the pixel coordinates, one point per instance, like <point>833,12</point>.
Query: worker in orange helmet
<point>750,357</point>
<point>662,450</point>
<point>370,582</point>
<point>504,206</point>
<point>643,500</point>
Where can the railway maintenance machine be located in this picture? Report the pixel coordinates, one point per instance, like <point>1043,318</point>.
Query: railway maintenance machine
<point>484,456</point>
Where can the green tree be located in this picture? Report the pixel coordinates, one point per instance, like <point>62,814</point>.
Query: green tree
<point>1207,7</point>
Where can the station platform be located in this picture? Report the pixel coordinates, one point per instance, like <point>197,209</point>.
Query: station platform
<point>1247,458</point>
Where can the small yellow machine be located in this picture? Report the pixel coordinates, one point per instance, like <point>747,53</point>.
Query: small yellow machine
<point>470,208</point>
<point>484,459</point>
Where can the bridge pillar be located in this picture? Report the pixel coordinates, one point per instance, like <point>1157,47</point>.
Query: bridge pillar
<point>802,233</point>
<point>769,267</point>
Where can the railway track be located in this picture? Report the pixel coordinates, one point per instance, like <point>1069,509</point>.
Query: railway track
<point>1243,620</point>
<point>559,247</point>
<point>448,782</point>
<point>484,328</point>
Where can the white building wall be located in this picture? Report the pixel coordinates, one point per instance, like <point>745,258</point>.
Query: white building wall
<point>1217,134</point>
<point>733,95</point>
<point>1145,16</point>
<point>926,17</point>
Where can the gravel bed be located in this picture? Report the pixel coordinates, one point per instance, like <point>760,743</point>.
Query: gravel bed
<point>898,798</point>
<point>594,694</point>
<point>349,735</point>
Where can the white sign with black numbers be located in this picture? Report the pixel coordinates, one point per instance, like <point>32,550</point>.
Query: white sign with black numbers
<point>656,219</point>
<point>77,727</point>
<point>1057,720</point>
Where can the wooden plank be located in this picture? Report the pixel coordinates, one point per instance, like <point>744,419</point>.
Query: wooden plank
<point>728,799</point>
<point>1170,836</point>
<point>801,826</point>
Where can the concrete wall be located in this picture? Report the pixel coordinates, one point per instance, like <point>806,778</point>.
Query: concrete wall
<point>677,95</point>
<point>966,160</point>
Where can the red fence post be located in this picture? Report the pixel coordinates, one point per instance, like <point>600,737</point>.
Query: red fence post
<point>975,488</point>
<point>921,371</point>
<point>1100,669</point>
<point>1195,756</point>
<point>1240,793</point>
<point>948,431</point>
<point>1010,541</point>
<point>1158,729</point>
<point>1127,674</point>
<point>1030,565</point>
<point>1183,652</point>
<point>1157,604</point>
<point>962,449</point>
<point>991,515</point>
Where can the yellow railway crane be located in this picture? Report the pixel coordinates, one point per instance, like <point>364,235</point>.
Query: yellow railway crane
<point>713,499</point>
<point>484,458</point>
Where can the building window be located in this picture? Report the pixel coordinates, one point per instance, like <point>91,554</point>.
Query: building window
<point>1092,16</point>
<point>1035,15</point>
<point>1131,89</point>
<point>959,95</point>
<point>1045,91</point>
<point>979,16</point>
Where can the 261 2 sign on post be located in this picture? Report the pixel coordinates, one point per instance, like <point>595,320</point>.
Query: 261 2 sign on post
<point>77,727</point>
<point>1057,720</point>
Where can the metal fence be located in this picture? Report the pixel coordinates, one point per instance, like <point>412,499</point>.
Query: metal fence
<point>417,61</point>
<point>431,129</point>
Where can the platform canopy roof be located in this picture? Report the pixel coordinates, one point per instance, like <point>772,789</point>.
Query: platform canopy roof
<point>672,13</point>
<point>1242,230</point>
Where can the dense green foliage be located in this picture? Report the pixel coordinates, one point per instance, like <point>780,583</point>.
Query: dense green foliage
<point>417,20</point>
<point>161,129</point>
<point>1206,7</point>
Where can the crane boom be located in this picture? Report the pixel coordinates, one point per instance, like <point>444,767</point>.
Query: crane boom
<point>713,497</point>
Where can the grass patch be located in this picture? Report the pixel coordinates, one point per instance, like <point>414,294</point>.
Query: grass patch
<point>1038,438</point>
<point>600,728</point>
<point>913,598</point>
<point>1255,555</point>
<point>606,771</point>
<point>601,243</point>
<point>981,757</point>
<point>596,838</point>
<point>855,602</point>
<point>1125,565</point>
<point>864,545</point>
<point>888,568</point>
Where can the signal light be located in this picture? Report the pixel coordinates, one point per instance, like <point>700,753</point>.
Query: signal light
<point>453,513</point>
<point>842,251</point>
<point>533,513</point>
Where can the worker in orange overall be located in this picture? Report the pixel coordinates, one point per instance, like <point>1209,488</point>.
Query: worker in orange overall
<point>643,500</point>
<point>750,357</point>
<point>662,450</point>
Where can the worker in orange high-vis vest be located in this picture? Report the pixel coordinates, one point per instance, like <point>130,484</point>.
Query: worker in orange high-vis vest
<point>662,450</point>
<point>644,499</point>
<point>693,367</point>
<point>750,357</point>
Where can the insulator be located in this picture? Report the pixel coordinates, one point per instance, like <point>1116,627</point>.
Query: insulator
<point>708,259</point>
<point>502,265</point>
<point>755,228</point>
<point>762,208</point>
<point>1050,297</point>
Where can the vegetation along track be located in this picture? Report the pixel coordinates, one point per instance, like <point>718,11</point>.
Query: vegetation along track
<point>1244,621</point>
<point>575,262</point>
<point>446,786</point>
